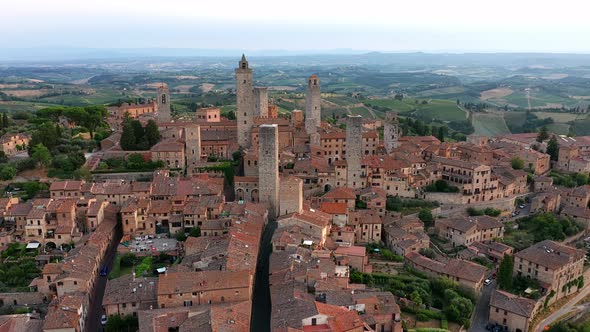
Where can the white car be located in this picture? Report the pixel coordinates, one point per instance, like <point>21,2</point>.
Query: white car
<point>103,320</point>
<point>487,282</point>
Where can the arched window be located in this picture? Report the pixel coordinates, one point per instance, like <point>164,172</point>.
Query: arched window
<point>163,98</point>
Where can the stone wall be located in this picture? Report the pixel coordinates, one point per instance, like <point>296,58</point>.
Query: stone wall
<point>26,298</point>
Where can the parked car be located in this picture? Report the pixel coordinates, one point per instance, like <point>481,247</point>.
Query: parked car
<point>103,320</point>
<point>104,271</point>
<point>487,282</point>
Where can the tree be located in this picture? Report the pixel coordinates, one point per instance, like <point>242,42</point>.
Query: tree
<point>7,172</point>
<point>505,273</point>
<point>426,216</point>
<point>543,134</point>
<point>553,148</point>
<point>41,154</point>
<point>441,134</point>
<point>128,137</point>
<point>195,231</point>
<point>46,135</point>
<point>5,122</point>
<point>152,133</point>
<point>517,163</point>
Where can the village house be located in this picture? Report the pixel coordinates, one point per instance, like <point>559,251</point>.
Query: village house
<point>463,231</point>
<point>468,274</point>
<point>14,143</point>
<point>513,312</point>
<point>557,267</point>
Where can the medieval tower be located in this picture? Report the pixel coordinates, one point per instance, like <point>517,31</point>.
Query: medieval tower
<point>244,102</point>
<point>391,132</point>
<point>268,167</point>
<point>261,102</point>
<point>291,195</point>
<point>354,151</point>
<point>313,112</point>
<point>192,140</point>
<point>164,103</point>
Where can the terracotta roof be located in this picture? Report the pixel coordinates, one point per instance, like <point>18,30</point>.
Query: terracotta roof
<point>334,208</point>
<point>351,251</point>
<point>187,282</point>
<point>551,254</point>
<point>66,185</point>
<point>340,193</point>
<point>128,289</point>
<point>515,304</point>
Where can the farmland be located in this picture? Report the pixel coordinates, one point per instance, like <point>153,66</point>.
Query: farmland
<point>489,124</point>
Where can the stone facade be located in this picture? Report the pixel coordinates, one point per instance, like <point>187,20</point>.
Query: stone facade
<point>244,102</point>
<point>164,113</point>
<point>193,145</point>
<point>261,102</point>
<point>313,111</point>
<point>291,196</point>
<point>391,132</point>
<point>354,148</point>
<point>268,154</point>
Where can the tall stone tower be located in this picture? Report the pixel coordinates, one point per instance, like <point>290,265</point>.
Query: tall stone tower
<point>354,151</point>
<point>268,167</point>
<point>261,101</point>
<point>313,111</point>
<point>244,102</point>
<point>391,132</point>
<point>291,196</point>
<point>164,114</point>
<point>192,139</point>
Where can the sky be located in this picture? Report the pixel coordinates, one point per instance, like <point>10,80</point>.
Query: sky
<point>310,25</point>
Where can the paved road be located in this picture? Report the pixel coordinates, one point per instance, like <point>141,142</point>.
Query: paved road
<point>569,306</point>
<point>95,310</point>
<point>481,314</point>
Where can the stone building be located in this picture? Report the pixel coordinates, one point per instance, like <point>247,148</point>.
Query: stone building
<point>164,113</point>
<point>244,102</point>
<point>268,178</point>
<point>193,145</point>
<point>557,267</point>
<point>291,195</point>
<point>391,132</point>
<point>313,110</point>
<point>512,312</point>
<point>260,101</point>
<point>354,148</point>
<point>208,114</point>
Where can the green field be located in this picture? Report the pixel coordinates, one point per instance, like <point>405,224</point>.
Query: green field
<point>489,124</point>
<point>559,128</point>
<point>434,109</point>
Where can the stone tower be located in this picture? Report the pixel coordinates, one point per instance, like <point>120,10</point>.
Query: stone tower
<point>164,114</point>
<point>291,196</point>
<point>244,102</point>
<point>354,151</point>
<point>261,101</point>
<point>268,167</point>
<point>391,132</point>
<point>313,111</point>
<point>192,139</point>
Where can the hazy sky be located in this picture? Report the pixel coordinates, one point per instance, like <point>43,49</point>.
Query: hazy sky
<point>381,25</point>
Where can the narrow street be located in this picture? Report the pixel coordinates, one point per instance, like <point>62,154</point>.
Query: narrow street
<point>95,310</point>
<point>480,316</point>
<point>261,304</point>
